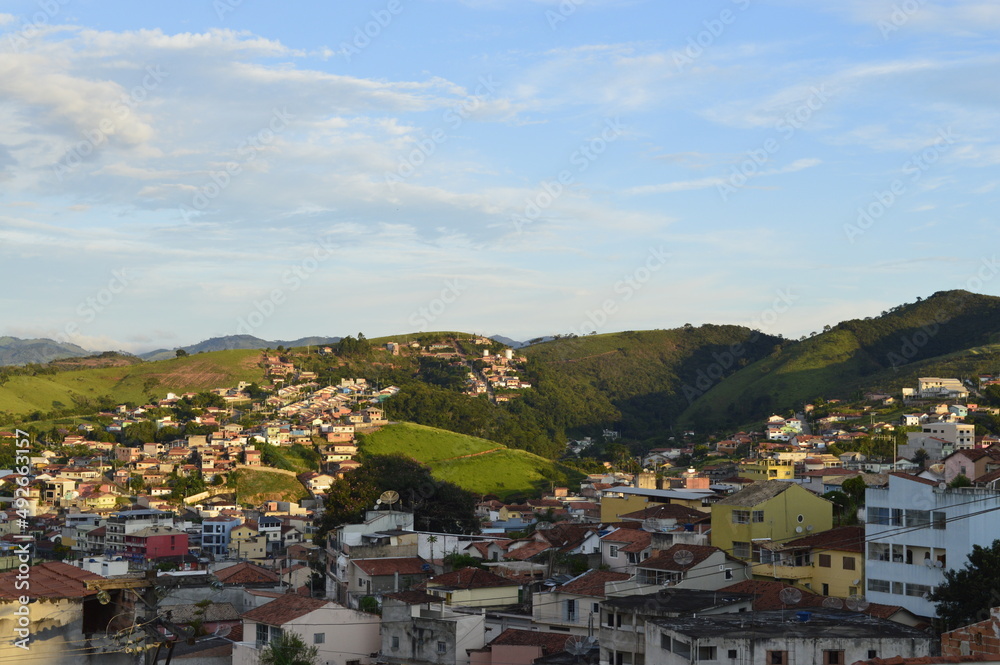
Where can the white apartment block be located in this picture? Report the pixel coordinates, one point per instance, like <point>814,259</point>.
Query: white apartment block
<point>915,530</point>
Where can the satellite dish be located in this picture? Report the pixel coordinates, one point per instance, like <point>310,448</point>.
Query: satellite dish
<point>790,596</point>
<point>579,645</point>
<point>649,524</point>
<point>683,557</point>
<point>798,529</point>
<point>544,526</point>
<point>857,603</point>
<point>390,497</point>
<point>833,603</point>
<point>939,564</point>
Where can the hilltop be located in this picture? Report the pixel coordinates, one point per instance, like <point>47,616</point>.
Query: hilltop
<point>951,333</point>
<point>474,464</point>
<point>15,351</point>
<point>50,390</point>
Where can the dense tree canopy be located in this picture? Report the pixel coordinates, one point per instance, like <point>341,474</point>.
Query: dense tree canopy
<point>437,505</point>
<point>968,593</point>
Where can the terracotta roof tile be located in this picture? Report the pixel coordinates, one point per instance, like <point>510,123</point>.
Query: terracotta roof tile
<point>668,558</point>
<point>281,610</point>
<point>592,583</point>
<point>549,642</point>
<point>841,538</point>
<point>246,573</point>
<point>666,512</point>
<point>469,578</point>
<point>53,579</point>
<point>391,565</point>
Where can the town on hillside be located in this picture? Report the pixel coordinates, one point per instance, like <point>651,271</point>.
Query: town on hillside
<point>192,528</point>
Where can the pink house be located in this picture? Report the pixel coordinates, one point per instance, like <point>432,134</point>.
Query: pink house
<point>518,647</point>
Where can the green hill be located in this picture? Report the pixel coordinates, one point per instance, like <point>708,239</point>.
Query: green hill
<point>51,390</point>
<point>255,487</point>
<point>952,333</point>
<point>641,381</point>
<point>477,465</point>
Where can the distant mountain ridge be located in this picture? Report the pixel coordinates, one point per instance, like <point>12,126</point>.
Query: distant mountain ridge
<point>15,351</point>
<point>235,342</point>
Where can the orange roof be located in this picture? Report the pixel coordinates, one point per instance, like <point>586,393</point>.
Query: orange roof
<point>592,582</point>
<point>391,565</point>
<point>469,578</point>
<point>246,573</point>
<point>550,643</point>
<point>54,579</point>
<point>287,608</point>
<point>668,558</point>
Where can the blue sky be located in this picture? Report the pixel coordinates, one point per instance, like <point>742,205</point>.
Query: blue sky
<point>175,171</point>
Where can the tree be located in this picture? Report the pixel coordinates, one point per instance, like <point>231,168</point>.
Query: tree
<point>288,649</point>
<point>967,594</point>
<point>437,505</point>
<point>920,457</point>
<point>181,353</point>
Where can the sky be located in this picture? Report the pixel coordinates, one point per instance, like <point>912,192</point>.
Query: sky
<point>171,172</point>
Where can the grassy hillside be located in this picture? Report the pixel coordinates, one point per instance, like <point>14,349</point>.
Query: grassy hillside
<point>478,465</point>
<point>133,383</point>
<point>647,377</point>
<point>255,487</point>
<point>952,333</point>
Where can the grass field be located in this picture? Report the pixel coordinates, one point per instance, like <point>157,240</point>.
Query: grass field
<point>255,487</point>
<point>134,383</point>
<point>478,465</point>
<point>424,444</point>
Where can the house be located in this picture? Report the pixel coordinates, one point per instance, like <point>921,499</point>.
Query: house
<point>421,628</point>
<point>474,587</point>
<point>368,577</point>
<point>971,463</point>
<point>215,535</point>
<point>939,439</point>
<point>932,387</point>
<point>915,530</point>
<point>770,510</point>
<point>247,542</point>
<point>691,567</point>
<point>246,574</point>
<point>623,549</point>
<point>520,647</point>
<point>340,635</point>
<point>830,563</point>
<point>818,636</point>
<point>64,614</point>
<point>574,606</point>
<point>622,630</point>
<point>155,542</point>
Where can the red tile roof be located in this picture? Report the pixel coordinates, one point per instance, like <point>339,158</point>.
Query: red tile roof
<point>841,538</point>
<point>246,573</point>
<point>469,578</point>
<point>525,552</point>
<point>391,565</point>
<point>287,608</point>
<point>592,582</point>
<point>550,643</point>
<point>413,597</point>
<point>54,579</point>
<point>636,539</point>
<point>665,512</point>
<point>907,476</point>
<point>670,558</point>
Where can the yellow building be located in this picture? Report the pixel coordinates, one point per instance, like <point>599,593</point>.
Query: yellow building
<point>618,501</point>
<point>767,469</point>
<point>830,563</point>
<point>245,542</point>
<point>771,510</point>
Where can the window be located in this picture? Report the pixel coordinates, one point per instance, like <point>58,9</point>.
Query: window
<point>885,516</point>
<point>897,588</point>
<point>741,517</point>
<point>833,657</point>
<point>729,573</point>
<point>881,586</point>
<point>799,519</point>
<point>613,551</point>
<point>917,589</point>
<point>570,610</point>
<point>732,655</point>
<point>664,641</point>
<point>918,517</point>
<point>596,608</point>
<point>938,520</point>
<point>319,638</point>
<point>824,560</point>
<point>872,653</point>
<point>777,658</point>
<point>682,649</point>
<point>706,653</point>
<point>757,516</point>
<point>611,620</point>
<point>741,550</point>
<point>878,551</point>
<point>262,634</point>
<point>442,647</point>
<point>632,557</point>
<point>395,641</point>
<point>849,563</point>
<point>826,589</point>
